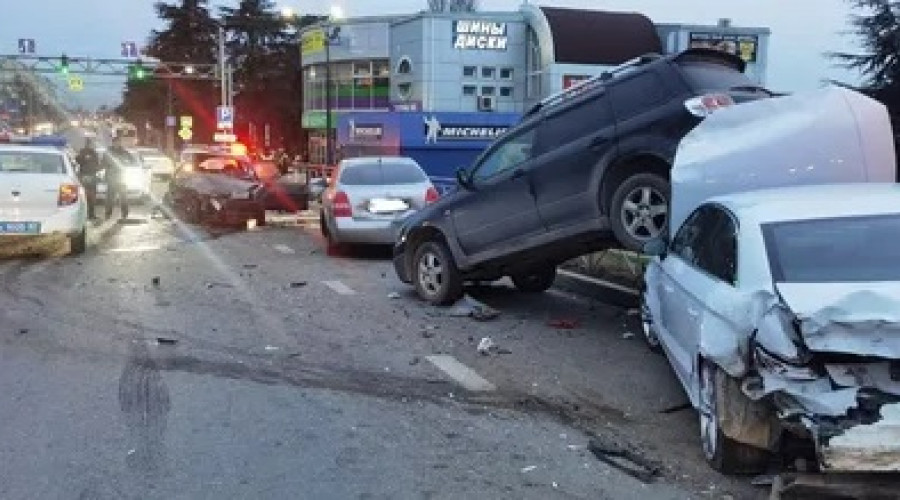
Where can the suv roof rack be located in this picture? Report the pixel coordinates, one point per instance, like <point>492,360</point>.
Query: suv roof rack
<point>559,97</point>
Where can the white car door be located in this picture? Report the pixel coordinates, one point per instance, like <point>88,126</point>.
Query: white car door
<point>698,276</point>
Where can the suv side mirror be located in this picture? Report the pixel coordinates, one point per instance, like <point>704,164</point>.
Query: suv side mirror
<point>656,247</point>
<point>462,177</point>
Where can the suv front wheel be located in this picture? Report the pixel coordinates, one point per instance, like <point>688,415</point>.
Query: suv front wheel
<point>435,275</point>
<point>640,209</point>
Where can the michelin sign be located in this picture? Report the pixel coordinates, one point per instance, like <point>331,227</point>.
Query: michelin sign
<point>479,35</point>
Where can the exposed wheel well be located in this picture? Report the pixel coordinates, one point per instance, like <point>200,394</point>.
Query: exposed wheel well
<point>626,167</point>
<point>422,234</point>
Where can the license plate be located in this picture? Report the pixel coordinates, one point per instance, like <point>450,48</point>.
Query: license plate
<point>387,206</point>
<point>20,227</point>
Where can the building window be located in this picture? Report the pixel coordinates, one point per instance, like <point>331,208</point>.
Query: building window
<point>404,91</point>
<point>488,72</point>
<point>404,67</point>
<point>535,68</point>
<point>506,73</point>
<point>506,91</point>
<point>382,68</point>
<point>470,71</point>
<point>487,90</point>
<point>469,89</point>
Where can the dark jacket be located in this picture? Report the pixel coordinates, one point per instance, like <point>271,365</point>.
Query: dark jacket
<point>88,162</point>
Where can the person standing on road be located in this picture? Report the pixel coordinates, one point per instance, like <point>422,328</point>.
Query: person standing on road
<point>88,166</point>
<point>114,165</point>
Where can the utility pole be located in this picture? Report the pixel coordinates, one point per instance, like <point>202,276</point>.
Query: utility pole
<point>222,69</point>
<point>170,114</point>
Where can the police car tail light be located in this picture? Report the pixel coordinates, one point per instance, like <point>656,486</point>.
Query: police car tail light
<point>431,195</point>
<point>341,205</point>
<point>708,104</point>
<point>68,194</point>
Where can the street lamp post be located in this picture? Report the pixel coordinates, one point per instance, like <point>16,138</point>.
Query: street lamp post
<point>331,33</point>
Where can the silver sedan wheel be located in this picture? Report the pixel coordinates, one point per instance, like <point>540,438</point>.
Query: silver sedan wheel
<point>709,418</point>
<point>644,213</point>
<point>431,273</point>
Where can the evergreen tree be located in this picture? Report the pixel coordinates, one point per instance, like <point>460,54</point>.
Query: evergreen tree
<point>877,26</point>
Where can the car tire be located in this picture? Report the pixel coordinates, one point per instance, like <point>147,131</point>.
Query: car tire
<point>434,274</point>
<point>651,337</point>
<point>639,210</point>
<point>78,243</point>
<point>722,453</point>
<point>537,280</point>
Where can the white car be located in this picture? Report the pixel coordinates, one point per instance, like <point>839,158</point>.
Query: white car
<point>777,297</point>
<point>779,311</point>
<point>369,196</point>
<point>40,194</point>
<point>160,165</point>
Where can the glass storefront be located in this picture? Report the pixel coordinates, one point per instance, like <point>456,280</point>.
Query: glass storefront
<point>355,85</point>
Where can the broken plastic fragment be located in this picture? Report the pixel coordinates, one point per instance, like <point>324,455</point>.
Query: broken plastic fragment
<point>485,346</point>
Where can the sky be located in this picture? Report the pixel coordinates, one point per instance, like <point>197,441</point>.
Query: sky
<point>802,30</point>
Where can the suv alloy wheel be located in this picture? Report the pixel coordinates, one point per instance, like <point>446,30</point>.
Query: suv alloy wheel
<point>435,275</point>
<point>640,209</point>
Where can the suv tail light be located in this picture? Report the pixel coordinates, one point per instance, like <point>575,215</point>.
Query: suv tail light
<point>431,195</point>
<point>341,205</point>
<point>708,104</point>
<point>68,195</point>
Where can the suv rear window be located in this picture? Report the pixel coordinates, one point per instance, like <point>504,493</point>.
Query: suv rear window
<point>381,173</point>
<point>706,76</point>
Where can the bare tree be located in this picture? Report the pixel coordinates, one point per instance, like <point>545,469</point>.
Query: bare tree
<point>453,5</point>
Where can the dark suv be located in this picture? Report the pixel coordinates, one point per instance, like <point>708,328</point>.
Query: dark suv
<point>585,169</point>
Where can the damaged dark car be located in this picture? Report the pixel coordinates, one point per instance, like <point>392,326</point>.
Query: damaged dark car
<point>217,190</point>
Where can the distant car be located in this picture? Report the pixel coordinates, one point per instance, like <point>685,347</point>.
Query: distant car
<point>779,311</point>
<point>218,189</point>
<point>369,196</point>
<point>40,194</point>
<point>136,176</point>
<point>160,165</point>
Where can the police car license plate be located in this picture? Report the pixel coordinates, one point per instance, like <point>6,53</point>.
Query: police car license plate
<point>20,227</point>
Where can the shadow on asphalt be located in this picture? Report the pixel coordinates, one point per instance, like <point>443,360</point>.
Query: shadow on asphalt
<point>362,252</point>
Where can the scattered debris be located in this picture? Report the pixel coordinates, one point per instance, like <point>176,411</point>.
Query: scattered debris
<point>393,295</point>
<point>564,324</point>
<point>624,459</point>
<point>627,335</point>
<point>469,307</point>
<point>414,361</point>
<point>272,348</point>
<point>528,469</point>
<point>555,485</point>
<point>575,447</point>
<point>154,281</point>
<point>298,284</point>
<point>166,341</point>
<point>250,266</point>
<point>763,480</point>
<point>633,312</point>
<point>677,408</point>
<point>504,351</point>
<point>23,331</point>
<point>486,346</point>
<point>427,334</point>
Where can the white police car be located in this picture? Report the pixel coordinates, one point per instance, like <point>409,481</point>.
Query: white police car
<point>40,193</point>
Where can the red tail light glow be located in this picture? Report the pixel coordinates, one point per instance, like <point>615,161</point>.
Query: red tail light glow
<point>708,104</point>
<point>431,195</point>
<point>68,195</point>
<point>340,204</point>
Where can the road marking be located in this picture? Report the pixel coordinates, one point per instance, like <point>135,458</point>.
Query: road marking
<point>339,287</point>
<point>136,249</point>
<point>596,281</point>
<point>284,249</point>
<point>462,374</point>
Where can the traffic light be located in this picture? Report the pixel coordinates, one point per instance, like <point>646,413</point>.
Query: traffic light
<point>64,64</point>
<point>137,72</point>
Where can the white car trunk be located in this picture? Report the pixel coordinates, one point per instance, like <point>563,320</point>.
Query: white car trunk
<point>29,197</point>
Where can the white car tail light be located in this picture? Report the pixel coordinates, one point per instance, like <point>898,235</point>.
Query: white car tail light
<point>68,194</point>
<point>431,195</point>
<point>708,104</point>
<point>341,205</point>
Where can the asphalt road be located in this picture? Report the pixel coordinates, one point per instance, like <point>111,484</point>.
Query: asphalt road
<point>172,361</point>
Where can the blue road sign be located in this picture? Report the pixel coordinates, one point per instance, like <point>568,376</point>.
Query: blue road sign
<point>225,116</point>
<point>27,46</point>
<point>129,49</point>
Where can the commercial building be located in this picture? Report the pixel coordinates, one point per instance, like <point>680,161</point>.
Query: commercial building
<point>440,86</point>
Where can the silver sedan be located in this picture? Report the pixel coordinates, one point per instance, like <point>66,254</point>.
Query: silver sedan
<point>369,197</point>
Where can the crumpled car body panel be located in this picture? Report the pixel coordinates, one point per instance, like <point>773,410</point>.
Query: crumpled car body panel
<point>831,135</point>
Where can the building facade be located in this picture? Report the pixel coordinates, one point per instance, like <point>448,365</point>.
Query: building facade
<point>440,86</point>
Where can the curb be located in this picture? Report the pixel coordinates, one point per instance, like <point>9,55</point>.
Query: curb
<point>597,289</point>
